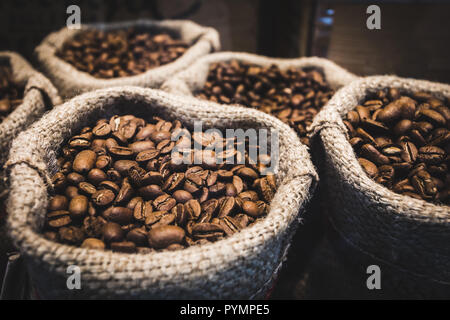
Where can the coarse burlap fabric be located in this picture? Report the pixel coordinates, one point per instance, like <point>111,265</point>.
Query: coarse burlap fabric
<point>71,82</point>
<point>194,77</point>
<point>241,266</point>
<point>39,95</point>
<point>408,238</point>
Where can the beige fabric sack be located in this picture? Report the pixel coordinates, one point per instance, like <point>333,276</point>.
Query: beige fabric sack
<point>71,82</point>
<point>194,77</point>
<point>39,96</point>
<point>408,239</point>
<point>241,266</point>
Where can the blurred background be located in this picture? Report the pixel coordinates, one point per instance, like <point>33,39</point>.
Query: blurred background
<point>413,41</point>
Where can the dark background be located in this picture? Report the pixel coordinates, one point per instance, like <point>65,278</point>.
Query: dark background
<point>414,40</point>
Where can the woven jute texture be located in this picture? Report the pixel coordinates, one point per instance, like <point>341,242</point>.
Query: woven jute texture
<point>194,77</point>
<point>240,266</point>
<point>39,95</point>
<point>408,238</point>
<point>71,81</point>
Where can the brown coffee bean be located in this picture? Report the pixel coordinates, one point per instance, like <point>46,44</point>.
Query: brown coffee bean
<point>58,202</point>
<point>193,208</point>
<point>119,215</point>
<point>138,236</point>
<point>163,236</point>
<point>57,219</point>
<point>84,161</point>
<point>164,203</point>
<point>71,235</point>
<point>182,196</point>
<point>125,247</point>
<point>92,243</point>
<point>78,207</point>
<point>103,197</point>
<point>151,191</point>
<point>112,232</point>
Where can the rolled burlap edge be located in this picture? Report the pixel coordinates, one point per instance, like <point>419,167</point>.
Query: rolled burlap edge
<point>407,237</point>
<point>71,81</point>
<point>240,266</point>
<point>38,90</point>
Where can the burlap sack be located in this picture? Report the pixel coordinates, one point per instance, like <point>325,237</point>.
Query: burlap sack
<point>71,82</point>
<point>408,238</point>
<point>194,77</point>
<point>241,266</point>
<point>39,96</point>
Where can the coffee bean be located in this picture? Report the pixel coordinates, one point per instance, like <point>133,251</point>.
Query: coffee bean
<point>293,95</point>
<point>93,243</point>
<point>84,161</point>
<point>119,215</point>
<point>119,190</point>
<point>103,197</point>
<point>409,155</point>
<point>120,53</point>
<point>125,247</point>
<point>163,236</point>
<point>112,232</point>
<point>138,236</point>
<point>78,207</point>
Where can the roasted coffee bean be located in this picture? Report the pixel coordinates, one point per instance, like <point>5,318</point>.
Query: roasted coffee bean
<point>78,207</point>
<point>118,190</point>
<point>57,219</point>
<point>84,161</point>
<point>71,235</point>
<point>163,236</point>
<point>93,243</point>
<point>293,95</point>
<point>124,246</point>
<point>112,232</point>
<point>103,197</point>
<point>409,156</point>
<point>119,215</point>
<point>120,53</point>
<point>58,202</point>
<point>138,236</point>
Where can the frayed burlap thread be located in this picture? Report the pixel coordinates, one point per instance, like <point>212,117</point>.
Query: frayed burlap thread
<point>409,238</point>
<point>194,77</point>
<point>71,82</point>
<point>236,267</point>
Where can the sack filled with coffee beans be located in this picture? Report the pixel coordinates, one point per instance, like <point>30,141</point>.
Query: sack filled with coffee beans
<point>141,53</point>
<point>293,90</point>
<point>241,265</point>
<point>386,141</point>
<point>24,96</point>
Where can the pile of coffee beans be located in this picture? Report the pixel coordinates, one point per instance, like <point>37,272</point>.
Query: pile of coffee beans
<point>120,53</point>
<point>292,95</point>
<point>121,186</point>
<point>402,142</point>
<point>11,94</point>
